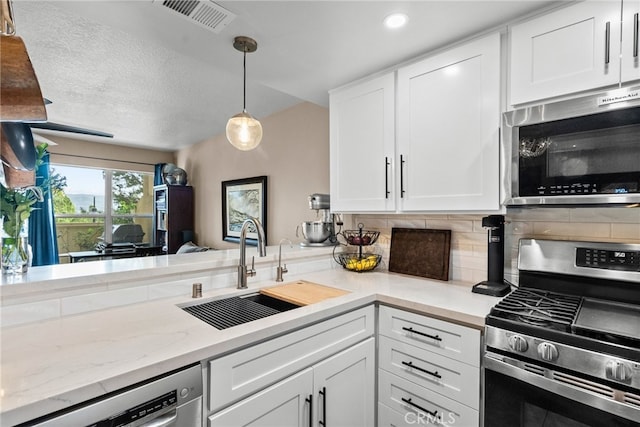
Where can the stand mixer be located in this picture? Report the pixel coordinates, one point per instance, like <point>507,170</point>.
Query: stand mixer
<point>320,232</point>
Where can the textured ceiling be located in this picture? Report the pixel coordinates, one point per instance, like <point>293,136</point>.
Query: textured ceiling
<point>156,79</point>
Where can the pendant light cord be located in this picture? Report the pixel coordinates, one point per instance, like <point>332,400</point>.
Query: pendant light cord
<point>244,82</point>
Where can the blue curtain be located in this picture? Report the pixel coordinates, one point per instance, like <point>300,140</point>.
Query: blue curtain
<point>42,225</point>
<point>157,175</point>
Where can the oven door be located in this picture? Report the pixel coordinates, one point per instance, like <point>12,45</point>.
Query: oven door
<point>519,394</point>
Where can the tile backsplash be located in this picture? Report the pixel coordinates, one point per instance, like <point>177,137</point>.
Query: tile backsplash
<point>468,261</point>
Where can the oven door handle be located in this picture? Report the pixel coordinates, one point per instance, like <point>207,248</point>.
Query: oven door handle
<point>506,366</point>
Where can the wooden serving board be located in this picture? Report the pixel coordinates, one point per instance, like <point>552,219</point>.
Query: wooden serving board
<point>303,292</point>
<point>420,252</point>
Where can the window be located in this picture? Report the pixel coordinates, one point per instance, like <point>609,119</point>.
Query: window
<point>88,201</point>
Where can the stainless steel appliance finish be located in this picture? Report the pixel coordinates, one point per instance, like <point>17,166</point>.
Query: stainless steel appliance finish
<point>321,232</point>
<point>174,399</point>
<point>564,348</point>
<point>579,151</point>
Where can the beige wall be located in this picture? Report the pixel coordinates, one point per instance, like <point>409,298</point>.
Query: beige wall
<point>293,154</point>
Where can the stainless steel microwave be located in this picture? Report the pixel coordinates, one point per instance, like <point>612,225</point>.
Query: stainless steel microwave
<point>580,151</point>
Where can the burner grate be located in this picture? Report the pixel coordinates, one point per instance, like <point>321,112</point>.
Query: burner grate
<point>539,308</point>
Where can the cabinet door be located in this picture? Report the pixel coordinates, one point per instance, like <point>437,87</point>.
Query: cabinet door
<point>362,135</point>
<point>448,129</point>
<point>345,387</point>
<point>630,51</point>
<point>570,50</point>
<point>286,404</point>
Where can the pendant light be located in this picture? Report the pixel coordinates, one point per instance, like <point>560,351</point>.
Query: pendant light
<point>243,131</point>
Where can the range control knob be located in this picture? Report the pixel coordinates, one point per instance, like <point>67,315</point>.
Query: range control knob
<point>547,351</point>
<point>618,370</point>
<point>518,343</point>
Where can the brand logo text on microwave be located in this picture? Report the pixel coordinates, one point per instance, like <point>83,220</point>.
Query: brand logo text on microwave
<point>611,99</point>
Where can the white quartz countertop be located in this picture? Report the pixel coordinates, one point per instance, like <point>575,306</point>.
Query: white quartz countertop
<point>54,364</point>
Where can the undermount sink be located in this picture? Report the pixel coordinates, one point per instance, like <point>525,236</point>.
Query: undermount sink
<point>227,312</point>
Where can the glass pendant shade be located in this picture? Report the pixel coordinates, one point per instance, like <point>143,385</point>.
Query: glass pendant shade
<point>244,132</point>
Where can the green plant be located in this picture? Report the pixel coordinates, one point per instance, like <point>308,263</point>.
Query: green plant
<point>16,204</point>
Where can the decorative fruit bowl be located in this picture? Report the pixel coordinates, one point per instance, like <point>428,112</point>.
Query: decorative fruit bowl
<point>354,262</point>
<point>360,237</point>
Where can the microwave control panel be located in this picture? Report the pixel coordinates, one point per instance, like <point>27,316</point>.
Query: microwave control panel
<point>587,188</point>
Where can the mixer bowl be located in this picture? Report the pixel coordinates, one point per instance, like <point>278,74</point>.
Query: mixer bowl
<point>315,231</point>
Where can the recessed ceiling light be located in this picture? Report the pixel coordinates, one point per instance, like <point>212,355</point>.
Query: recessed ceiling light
<point>396,20</point>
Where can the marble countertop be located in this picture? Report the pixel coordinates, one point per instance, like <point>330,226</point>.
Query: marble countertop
<point>51,365</point>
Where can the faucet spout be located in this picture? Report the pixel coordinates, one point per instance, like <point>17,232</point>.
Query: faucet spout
<point>281,270</point>
<point>243,270</point>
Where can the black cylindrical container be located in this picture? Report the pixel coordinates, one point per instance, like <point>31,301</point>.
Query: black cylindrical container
<point>494,285</point>
<point>495,259</point>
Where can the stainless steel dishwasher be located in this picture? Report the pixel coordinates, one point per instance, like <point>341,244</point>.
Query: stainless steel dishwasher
<point>174,399</point>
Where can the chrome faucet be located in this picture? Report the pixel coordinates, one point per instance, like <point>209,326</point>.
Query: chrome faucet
<point>281,270</point>
<point>243,271</point>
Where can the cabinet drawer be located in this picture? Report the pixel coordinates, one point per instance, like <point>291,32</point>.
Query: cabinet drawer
<point>247,371</point>
<point>408,398</point>
<point>451,378</point>
<point>387,417</point>
<point>447,339</point>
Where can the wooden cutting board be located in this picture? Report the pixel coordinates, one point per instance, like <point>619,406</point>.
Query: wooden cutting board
<point>420,252</point>
<point>303,292</point>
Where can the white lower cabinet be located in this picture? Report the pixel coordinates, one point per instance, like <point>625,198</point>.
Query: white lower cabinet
<point>344,387</point>
<point>429,371</point>
<point>321,375</point>
<point>338,391</point>
<point>286,404</point>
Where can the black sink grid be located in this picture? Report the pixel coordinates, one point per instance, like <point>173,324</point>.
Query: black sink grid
<point>228,312</point>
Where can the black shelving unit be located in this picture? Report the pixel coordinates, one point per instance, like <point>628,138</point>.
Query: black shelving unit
<point>172,216</point>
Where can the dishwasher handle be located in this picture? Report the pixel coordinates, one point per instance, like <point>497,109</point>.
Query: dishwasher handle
<point>164,420</point>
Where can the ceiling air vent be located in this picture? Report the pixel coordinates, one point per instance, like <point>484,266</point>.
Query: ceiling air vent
<point>205,13</point>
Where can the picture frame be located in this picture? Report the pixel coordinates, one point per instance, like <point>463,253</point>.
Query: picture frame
<point>241,199</point>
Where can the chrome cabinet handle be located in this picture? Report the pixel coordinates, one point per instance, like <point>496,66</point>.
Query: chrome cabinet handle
<point>635,35</point>
<point>409,402</point>
<point>386,178</point>
<point>433,337</point>
<point>411,365</point>
<point>402,162</point>
<point>607,42</point>
<point>323,393</point>
<point>310,400</point>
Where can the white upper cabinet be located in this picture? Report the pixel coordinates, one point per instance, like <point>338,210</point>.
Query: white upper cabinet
<point>362,146</point>
<point>630,50</point>
<point>448,129</point>
<point>573,49</point>
<point>432,146</point>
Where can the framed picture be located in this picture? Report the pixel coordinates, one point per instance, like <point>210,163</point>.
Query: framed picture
<point>241,199</point>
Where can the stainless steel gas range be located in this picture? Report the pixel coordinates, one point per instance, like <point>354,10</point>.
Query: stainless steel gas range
<point>563,349</point>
